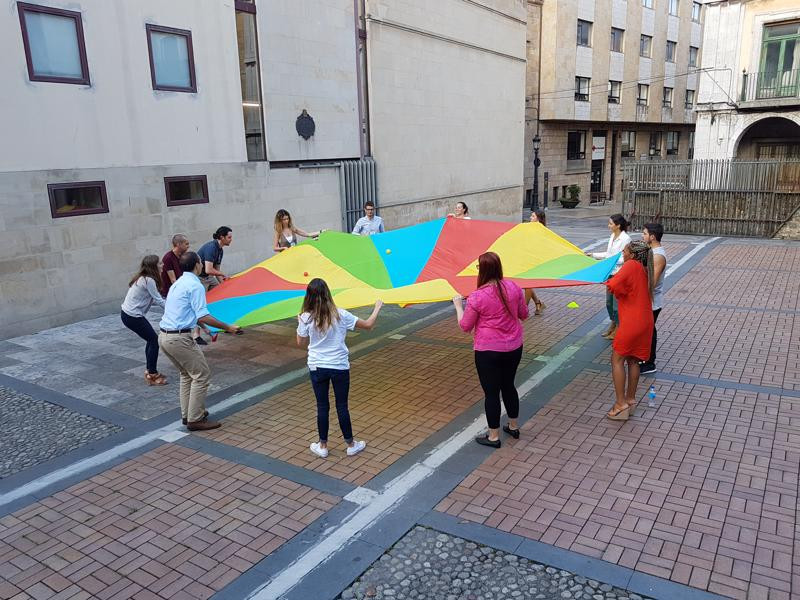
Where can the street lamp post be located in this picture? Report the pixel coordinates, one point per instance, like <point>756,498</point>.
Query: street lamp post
<point>536,163</point>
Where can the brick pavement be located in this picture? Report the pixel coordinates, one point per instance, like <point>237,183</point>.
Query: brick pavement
<point>172,523</point>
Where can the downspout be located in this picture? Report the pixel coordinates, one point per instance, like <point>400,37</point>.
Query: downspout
<point>359,14</point>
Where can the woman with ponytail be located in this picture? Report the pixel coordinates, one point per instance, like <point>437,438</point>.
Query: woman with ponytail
<point>494,312</point>
<point>632,287</point>
<point>618,226</point>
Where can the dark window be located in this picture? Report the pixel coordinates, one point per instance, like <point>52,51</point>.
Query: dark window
<point>582,89</point>
<point>171,59</point>
<point>696,10</point>
<point>614,88</point>
<point>250,78</point>
<point>54,46</point>
<point>655,143</point>
<point>693,56</point>
<point>643,94</point>
<point>186,190</point>
<point>628,144</point>
<point>667,97</point>
<point>673,142</point>
<point>584,33</point>
<point>77,198</point>
<point>672,50</point>
<point>691,145</point>
<point>646,46</point>
<point>617,36</point>
<point>576,145</point>
<point>689,99</point>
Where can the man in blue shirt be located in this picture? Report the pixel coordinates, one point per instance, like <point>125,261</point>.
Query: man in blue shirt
<point>369,224</point>
<point>211,256</point>
<point>185,307</point>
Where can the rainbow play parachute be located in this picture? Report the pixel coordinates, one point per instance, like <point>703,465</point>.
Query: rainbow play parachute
<point>428,262</point>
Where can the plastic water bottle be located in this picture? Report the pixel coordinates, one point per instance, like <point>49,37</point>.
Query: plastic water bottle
<point>651,397</point>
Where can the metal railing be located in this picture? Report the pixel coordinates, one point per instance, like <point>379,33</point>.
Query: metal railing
<point>712,197</point>
<point>770,85</point>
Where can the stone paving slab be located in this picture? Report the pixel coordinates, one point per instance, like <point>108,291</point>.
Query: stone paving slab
<point>701,490</point>
<point>172,523</point>
<point>400,394</point>
<point>33,431</point>
<point>428,565</point>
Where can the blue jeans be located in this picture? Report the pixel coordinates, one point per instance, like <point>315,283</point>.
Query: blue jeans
<point>611,308</point>
<point>320,380</point>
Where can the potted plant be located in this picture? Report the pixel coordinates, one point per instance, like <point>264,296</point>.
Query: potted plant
<point>574,192</point>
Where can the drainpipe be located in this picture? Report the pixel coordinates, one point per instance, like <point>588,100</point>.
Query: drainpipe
<point>359,17</point>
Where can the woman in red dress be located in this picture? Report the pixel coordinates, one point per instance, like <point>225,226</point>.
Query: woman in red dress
<point>632,286</point>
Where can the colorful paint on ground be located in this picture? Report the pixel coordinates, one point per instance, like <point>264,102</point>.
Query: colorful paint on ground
<point>428,262</point>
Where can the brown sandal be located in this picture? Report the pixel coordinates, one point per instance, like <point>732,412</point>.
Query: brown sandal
<point>539,308</point>
<point>619,414</point>
<point>155,379</point>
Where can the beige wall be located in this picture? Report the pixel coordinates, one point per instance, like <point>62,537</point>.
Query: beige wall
<point>447,92</point>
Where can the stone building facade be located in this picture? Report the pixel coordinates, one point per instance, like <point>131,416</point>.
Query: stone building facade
<point>749,98</point>
<point>126,122</point>
<point>614,80</point>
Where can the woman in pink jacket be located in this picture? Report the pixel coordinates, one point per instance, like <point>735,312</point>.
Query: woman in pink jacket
<point>494,312</point>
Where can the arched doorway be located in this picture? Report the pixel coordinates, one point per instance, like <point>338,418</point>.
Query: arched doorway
<point>770,138</point>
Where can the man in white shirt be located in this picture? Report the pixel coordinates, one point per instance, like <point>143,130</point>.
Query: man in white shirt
<point>184,308</point>
<point>369,224</point>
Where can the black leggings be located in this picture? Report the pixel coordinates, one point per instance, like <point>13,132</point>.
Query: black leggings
<point>496,372</point>
<point>321,378</point>
<point>141,327</point>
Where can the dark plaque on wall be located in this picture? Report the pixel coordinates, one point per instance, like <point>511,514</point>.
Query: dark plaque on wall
<point>305,125</point>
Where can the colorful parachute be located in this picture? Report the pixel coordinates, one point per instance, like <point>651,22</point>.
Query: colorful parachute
<point>429,262</point>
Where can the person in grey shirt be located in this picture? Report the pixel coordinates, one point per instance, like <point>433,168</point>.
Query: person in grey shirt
<point>369,224</point>
<point>142,293</point>
<point>651,235</point>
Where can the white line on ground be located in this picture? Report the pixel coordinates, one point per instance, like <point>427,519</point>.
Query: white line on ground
<point>594,245</point>
<point>374,506</point>
<point>688,255</point>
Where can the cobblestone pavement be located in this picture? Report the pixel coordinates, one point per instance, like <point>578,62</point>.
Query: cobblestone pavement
<point>428,565</point>
<point>33,431</point>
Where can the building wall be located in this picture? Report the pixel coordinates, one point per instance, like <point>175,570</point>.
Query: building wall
<point>560,111</point>
<point>447,92</point>
<point>732,45</point>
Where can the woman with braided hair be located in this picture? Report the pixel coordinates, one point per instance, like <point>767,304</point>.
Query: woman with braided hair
<point>632,287</point>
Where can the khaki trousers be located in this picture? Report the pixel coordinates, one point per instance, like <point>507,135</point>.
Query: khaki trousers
<point>187,357</point>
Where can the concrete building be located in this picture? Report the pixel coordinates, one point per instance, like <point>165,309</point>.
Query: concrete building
<point>612,80</point>
<point>748,104</point>
<point>126,122</point>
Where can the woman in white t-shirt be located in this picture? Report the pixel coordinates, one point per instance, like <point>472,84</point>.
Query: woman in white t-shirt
<point>618,226</point>
<point>322,328</point>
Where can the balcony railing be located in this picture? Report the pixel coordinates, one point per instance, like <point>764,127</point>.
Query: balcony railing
<point>770,85</point>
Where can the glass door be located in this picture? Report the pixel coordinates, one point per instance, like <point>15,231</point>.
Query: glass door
<point>780,61</point>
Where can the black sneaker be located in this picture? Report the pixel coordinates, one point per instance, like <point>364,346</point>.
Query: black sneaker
<point>200,341</point>
<point>646,368</point>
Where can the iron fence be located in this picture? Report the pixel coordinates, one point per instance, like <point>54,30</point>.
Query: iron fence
<point>770,85</point>
<point>712,197</point>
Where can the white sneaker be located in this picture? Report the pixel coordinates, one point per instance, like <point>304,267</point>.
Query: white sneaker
<point>358,446</point>
<point>318,450</point>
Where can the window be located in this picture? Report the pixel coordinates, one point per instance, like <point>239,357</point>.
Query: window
<point>672,50</point>
<point>628,142</point>
<point>693,56</point>
<point>616,39</point>
<point>673,7</point>
<point>171,59</point>
<point>77,198</point>
<point>584,33</point>
<point>642,94</point>
<point>690,99</point>
<point>667,97</point>
<point>647,3</point>
<point>691,145</point>
<point>646,46</point>
<point>186,190</point>
<point>655,143</point>
<point>614,88</point>
<point>673,141</point>
<point>696,9</point>
<point>582,89</point>
<point>780,61</point>
<point>54,46</point>
<point>576,145</point>
<point>250,78</point>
